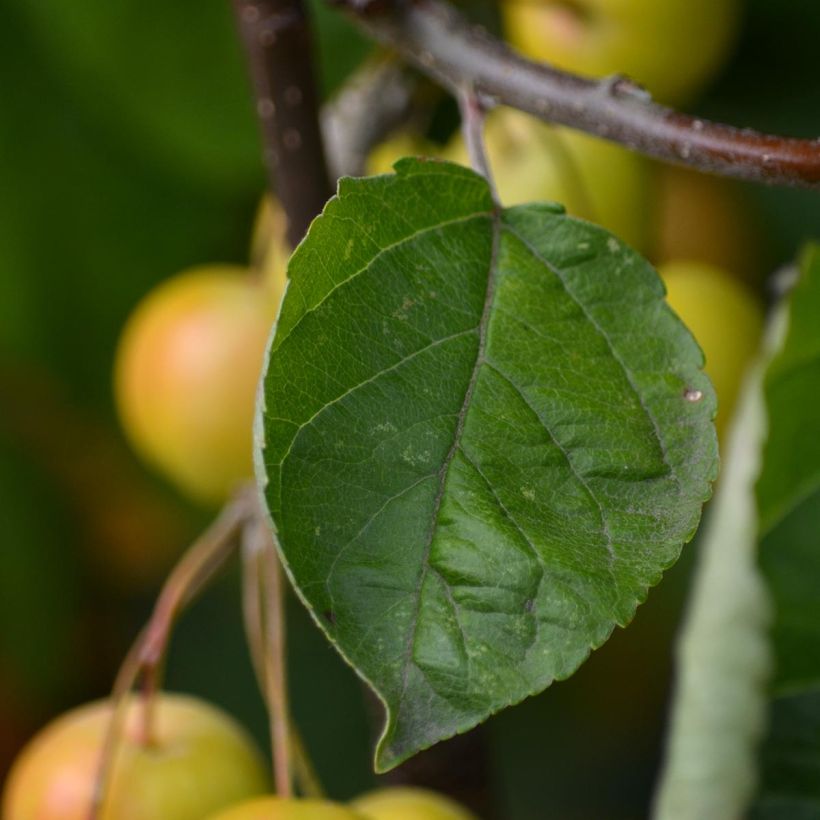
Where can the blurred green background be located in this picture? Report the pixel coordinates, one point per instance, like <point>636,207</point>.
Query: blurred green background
<point>128,151</point>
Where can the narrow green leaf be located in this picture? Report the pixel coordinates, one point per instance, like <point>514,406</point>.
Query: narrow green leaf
<point>792,457</point>
<point>483,436</point>
<point>789,500</point>
<point>723,655</point>
<point>789,487</point>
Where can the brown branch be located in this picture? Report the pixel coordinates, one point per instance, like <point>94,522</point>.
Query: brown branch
<point>277,41</point>
<point>440,42</point>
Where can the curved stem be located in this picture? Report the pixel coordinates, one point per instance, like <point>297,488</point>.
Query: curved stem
<point>277,668</point>
<point>255,547</point>
<point>472,127</point>
<point>441,43</point>
<point>198,566</point>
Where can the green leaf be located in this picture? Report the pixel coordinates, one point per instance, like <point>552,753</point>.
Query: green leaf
<point>483,436</point>
<point>724,655</point>
<point>790,762</point>
<point>792,457</point>
<point>789,486</point>
<point>789,501</point>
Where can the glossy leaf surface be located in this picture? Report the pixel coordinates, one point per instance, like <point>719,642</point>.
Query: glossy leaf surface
<point>483,436</point>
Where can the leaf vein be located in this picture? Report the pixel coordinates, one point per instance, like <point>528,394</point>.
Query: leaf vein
<point>445,467</point>
<point>561,276</point>
<point>375,258</point>
<point>605,531</point>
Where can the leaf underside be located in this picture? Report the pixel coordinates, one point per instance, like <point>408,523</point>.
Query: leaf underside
<point>482,436</point>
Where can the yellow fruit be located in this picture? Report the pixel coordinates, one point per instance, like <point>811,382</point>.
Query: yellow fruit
<point>724,317</point>
<point>699,216</point>
<point>409,804</point>
<point>269,248</point>
<point>199,761</point>
<point>673,47</point>
<point>402,144</point>
<point>277,808</point>
<point>592,178</point>
<point>186,374</point>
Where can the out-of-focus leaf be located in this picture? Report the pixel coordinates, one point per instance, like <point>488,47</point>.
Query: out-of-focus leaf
<point>340,47</point>
<point>724,654</point>
<point>792,455</point>
<point>789,761</point>
<point>86,227</point>
<point>168,76</point>
<point>484,435</point>
<point>171,77</point>
<point>789,487</point>
<point>789,499</point>
<point>38,586</point>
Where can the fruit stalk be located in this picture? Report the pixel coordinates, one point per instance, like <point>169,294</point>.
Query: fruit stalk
<point>264,612</point>
<point>258,552</point>
<point>472,127</point>
<point>196,568</point>
<point>277,40</point>
<point>440,42</point>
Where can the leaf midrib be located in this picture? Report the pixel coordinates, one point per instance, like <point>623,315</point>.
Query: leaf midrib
<point>489,297</point>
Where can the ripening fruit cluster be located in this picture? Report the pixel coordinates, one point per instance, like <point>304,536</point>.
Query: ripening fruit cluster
<point>197,765</point>
<point>188,365</point>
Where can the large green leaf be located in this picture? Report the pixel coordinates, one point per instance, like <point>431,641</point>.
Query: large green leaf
<point>483,436</point>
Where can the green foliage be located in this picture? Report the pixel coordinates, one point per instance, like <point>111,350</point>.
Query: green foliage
<point>789,761</point>
<point>792,454</point>
<point>789,499</point>
<point>479,442</point>
<point>723,654</point>
<point>789,486</point>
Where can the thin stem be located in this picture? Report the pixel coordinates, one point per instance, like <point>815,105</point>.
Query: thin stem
<point>277,667</point>
<point>440,42</point>
<point>126,677</point>
<point>472,126</point>
<point>277,39</point>
<point>252,607</point>
<point>254,570</point>
<point>198,566</point>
